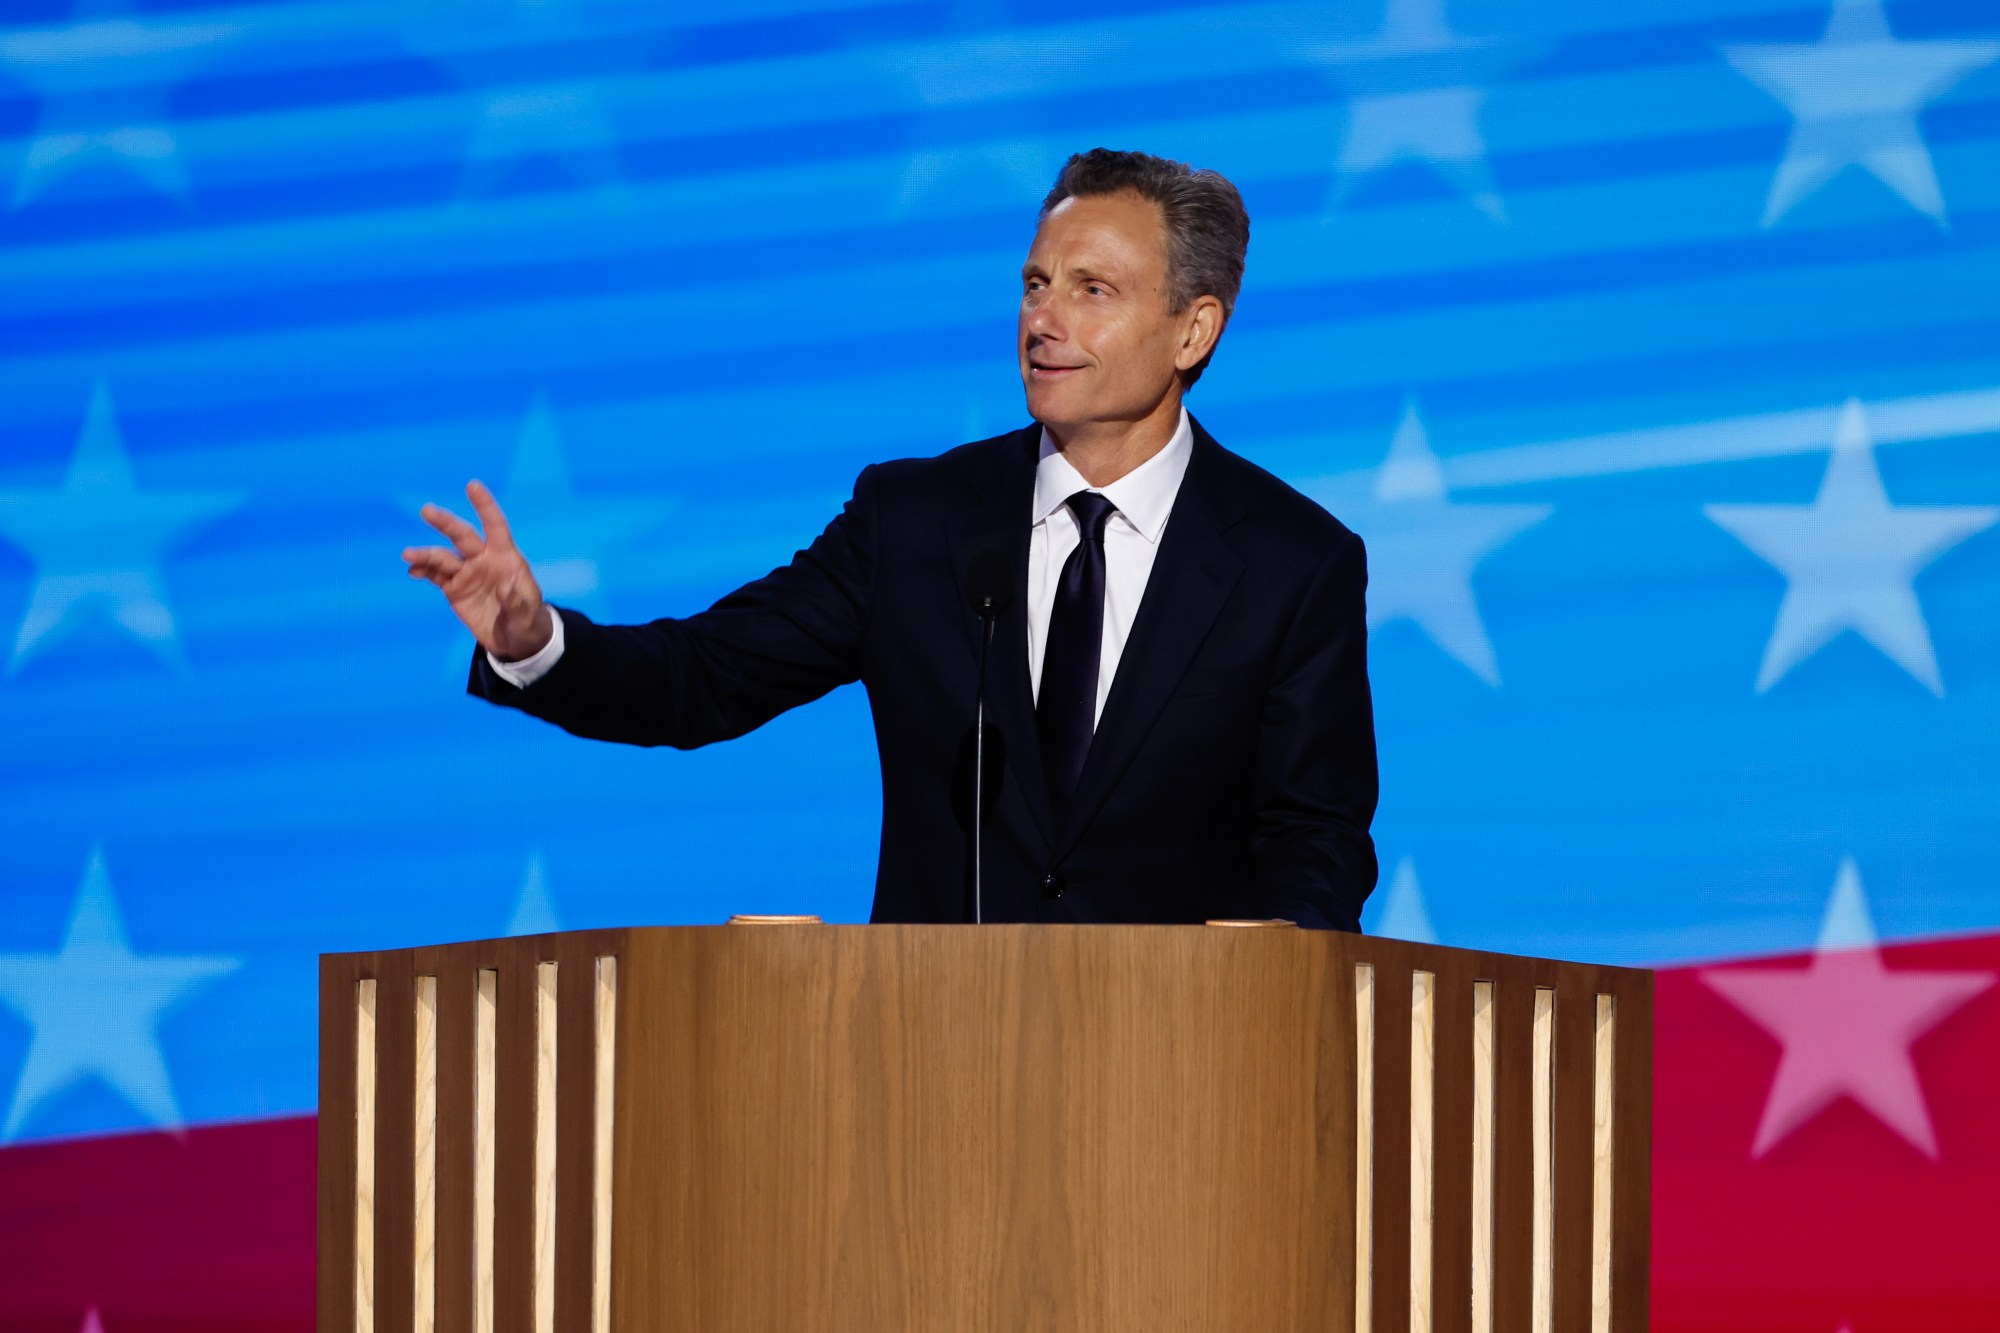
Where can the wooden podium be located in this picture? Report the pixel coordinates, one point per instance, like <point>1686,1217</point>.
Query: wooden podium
<point>789,1128</point>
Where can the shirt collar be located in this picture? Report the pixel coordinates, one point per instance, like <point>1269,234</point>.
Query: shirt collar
<point>1144,496</point>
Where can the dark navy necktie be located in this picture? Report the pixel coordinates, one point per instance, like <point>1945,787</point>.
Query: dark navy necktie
<point>1066,710</point>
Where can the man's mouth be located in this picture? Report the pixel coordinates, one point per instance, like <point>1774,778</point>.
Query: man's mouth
<point>1040,371</point>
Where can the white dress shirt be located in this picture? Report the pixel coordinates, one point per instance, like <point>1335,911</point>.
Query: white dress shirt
<point>1144,497</point>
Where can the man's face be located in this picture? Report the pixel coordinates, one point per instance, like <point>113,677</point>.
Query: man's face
<point>1096,340</point>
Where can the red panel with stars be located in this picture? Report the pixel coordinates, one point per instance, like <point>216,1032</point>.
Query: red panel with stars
<point>209,1231</point>
<point>1824,1153</point>
<point>1824,1162</point>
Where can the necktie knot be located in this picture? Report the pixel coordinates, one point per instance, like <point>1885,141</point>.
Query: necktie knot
<point>1092,512</point>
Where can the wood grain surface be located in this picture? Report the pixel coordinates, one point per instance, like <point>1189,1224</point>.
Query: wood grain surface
<point>1007,1129</point>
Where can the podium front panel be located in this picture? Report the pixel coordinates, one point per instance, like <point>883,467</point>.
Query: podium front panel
<point>1000,1128</point>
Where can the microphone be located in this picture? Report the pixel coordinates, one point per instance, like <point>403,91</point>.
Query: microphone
<point>989,579</point>
<point>991,584</point>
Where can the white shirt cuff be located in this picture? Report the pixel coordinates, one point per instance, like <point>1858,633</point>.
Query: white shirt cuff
<point>528,670</point>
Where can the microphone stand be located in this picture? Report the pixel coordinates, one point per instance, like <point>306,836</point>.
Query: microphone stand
<point>989,583</point>
<point>989,613</point>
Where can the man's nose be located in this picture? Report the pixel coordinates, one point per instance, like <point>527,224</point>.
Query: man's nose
<point>1044,317</point>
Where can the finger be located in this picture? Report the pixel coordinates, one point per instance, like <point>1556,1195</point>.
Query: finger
<point>490,516</point>
<point>432,562</point>
<point>464,537</point>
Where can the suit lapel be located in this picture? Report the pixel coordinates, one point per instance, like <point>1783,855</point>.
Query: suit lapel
<point>998,520</point>
<point>1193,577</point>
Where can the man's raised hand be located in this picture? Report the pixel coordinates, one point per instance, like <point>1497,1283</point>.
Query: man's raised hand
<point>486,579</point>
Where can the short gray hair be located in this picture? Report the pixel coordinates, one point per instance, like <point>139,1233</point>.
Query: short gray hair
<point>1208,231</point>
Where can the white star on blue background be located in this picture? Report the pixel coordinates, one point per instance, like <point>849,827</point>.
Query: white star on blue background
<point>1850,559</point>
<point>1423,548</point>
<point>95,1008</point>
<point>951,157</point>
<point>565,536</point>
<point>104,79</point>
<point>534,912</point>
<point>569,123</point>
<point>1006,170</point>
<point>98,541</point>
<point>1403,915</point>
<point>1414,101</point>
<point>566,121</point>
<point>1856,93</point>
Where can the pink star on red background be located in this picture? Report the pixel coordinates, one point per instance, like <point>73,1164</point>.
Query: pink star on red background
<point>1846,1023</point>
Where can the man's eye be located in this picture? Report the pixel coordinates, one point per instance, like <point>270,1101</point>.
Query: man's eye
<point>1096,289</point>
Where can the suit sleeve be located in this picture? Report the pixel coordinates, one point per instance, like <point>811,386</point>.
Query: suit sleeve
<point>774,644</point>
<point>1316,783</point>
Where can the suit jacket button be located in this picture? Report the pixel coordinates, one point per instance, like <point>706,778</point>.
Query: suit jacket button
<point>1052,885</point>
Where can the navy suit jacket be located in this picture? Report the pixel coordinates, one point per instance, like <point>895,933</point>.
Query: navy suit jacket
<point>1232,773</point>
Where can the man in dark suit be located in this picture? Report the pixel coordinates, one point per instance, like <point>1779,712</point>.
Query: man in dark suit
<point>1178,684</point>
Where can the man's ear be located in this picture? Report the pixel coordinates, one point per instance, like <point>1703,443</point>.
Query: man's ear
<point>1201,325</point>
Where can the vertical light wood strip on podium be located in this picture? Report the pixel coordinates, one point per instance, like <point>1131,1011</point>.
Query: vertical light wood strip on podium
<point>364,1155</point>
<point>544,1286</point>
<point>1393,986</point>
<point>423,1258</point>
<point>485,1068</point>
<point>1544,1153</point>
<point>1451,1145</point>
<point>1603,1136</point>
<point>1364,1146</point>
<point>605,1041</point>
<point>1423,1108</point>
<point>1483,1100</point>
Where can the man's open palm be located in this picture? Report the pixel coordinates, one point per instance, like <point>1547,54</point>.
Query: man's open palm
<point>486,578</point>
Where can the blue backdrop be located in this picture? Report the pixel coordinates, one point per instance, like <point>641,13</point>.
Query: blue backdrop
<point>1653,347</point>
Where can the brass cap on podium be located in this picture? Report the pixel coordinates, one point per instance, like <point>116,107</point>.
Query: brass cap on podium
<point>1278,922</point>
<point>773,919</point>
